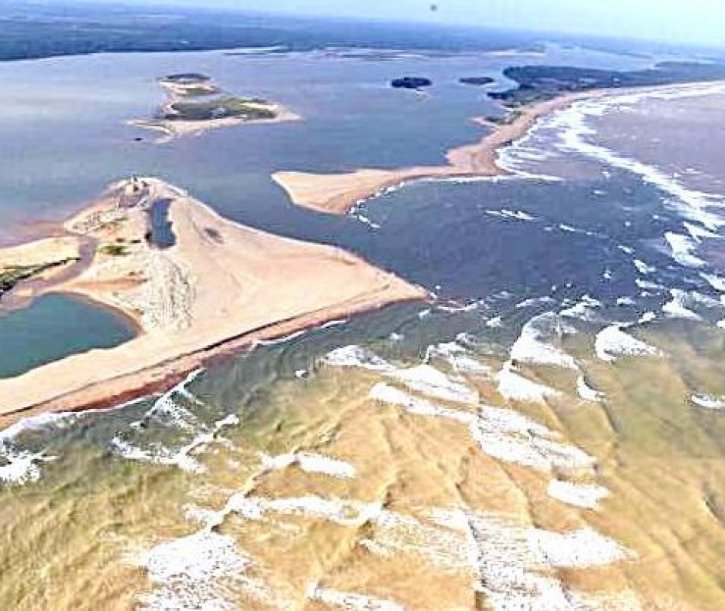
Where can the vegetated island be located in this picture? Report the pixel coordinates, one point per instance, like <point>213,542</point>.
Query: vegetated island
<point>411,82</point>
<point>478,81</point>
<point>540,90</point>
<point>216,287</point>
<point>197,104</point>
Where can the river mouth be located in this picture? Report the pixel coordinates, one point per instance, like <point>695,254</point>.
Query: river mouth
<point>55,326</point>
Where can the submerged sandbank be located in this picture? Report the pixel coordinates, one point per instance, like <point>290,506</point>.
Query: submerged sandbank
<point>219,287</point>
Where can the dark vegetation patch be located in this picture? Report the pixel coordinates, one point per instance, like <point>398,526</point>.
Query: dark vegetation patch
<point>411,82</point>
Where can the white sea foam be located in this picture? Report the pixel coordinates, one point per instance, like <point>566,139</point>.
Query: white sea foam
<point>183,458</point>
<point>586,392</point>
<point>716,282</point>
<point>647,285</point>
<point>693,205</point>
<point>626,301</point>
<point>643,268</point>
<point>534,343</point>
<point>647,317</point>
<point>682,248</point>
<point>582,309</point>
<point>516,215</point>
<point>311,463</point>
<point>586,496</point>
<point>712,402</point>
<point>200,571</point>
<point>422,378</point>
<point>431,381</point>
<point>569,229</point>
<point>677,306</point>
<point>515,565</point>
<point>457,356</point>
<point>495,322</point>
<point>612,343</point>
<point>389,394</point>
<point>514,387</point>
<point>453,539</point>
<point>19,466</point>
<point>170,412</point>
<point>366,221</point>
<point>534,301</point>
<point>356,356</point>
<point>349,600</point>
<point>577,549</point>
<point>501,433</point>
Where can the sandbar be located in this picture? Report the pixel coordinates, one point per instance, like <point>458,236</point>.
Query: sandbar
<point>220,287</point>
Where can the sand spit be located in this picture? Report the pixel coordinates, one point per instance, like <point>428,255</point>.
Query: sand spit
<point>221,286</point>
<point>339,193</point>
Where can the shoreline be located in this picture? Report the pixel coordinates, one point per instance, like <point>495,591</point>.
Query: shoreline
<point>340,193</point>
<point>220,288</point>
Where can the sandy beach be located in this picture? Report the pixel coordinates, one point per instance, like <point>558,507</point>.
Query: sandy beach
<point>339,193</point>
<point>222,286</point>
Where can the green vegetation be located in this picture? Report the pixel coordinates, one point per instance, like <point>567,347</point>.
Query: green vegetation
<point>541,83</point>
<point>186,78</point>
<point>478,81</point>
<point>507,119</point>
<point>114,250</point>
<point>219,108</point>
<point>12,274</point>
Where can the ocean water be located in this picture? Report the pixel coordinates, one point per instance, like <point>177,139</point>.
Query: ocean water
<point>547,434</point>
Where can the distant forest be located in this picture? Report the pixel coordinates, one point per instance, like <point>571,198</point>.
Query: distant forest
<point>34,31</point>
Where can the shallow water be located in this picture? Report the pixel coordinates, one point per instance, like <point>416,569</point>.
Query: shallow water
<point>53,327</point>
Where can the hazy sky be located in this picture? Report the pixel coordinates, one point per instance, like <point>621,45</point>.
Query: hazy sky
<point>666,20</point>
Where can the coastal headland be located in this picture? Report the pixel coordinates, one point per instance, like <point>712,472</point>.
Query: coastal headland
<point>220,287</point>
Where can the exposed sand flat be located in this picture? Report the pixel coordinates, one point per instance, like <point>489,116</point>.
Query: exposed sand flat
<point>338,193</point>
<point>220,286</point>
<point>47,250</point>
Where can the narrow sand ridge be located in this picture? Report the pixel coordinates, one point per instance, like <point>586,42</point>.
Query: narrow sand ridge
<point>219,287</point>
<point>339,193</point>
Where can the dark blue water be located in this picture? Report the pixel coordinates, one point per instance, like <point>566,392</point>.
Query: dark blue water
<point>53,327</point>
<point>579,237</point>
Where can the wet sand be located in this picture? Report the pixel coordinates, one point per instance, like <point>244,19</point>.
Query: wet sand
<point>222,286</point>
